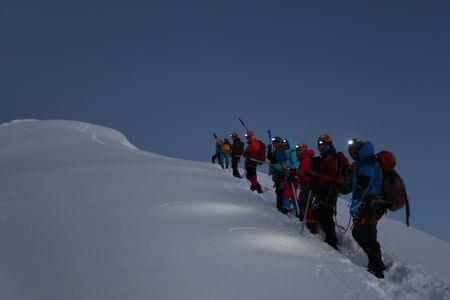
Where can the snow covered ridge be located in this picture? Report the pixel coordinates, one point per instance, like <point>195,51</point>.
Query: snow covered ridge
<point>43,145</point>
<point>98,133</point>
<point>13,122</point>
<point>86,215</point>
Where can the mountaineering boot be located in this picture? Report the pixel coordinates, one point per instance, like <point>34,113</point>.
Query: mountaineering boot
<point>300,216</point>
<point>259,189</point>
<point>376,273</point>
<point>332,243</point>
<point>376,265</point>
<point>284,210</point>
<point>312,227</point>
<point>256,187</point>
<point>331,238</point>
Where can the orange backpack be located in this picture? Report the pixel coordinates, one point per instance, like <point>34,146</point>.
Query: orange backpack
<point>394,189</point>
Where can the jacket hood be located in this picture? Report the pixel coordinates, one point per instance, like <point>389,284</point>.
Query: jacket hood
<point>307,153</point>
<point>291,144</point>
<point>331,151</point>
<point>366,150</point>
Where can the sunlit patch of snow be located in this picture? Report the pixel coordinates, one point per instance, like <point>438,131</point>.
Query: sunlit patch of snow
<point>208,208</point>
<point>273,241</point>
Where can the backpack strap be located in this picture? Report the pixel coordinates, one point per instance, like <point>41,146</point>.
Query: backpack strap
<point>339,163</point>
<point>342,164</point>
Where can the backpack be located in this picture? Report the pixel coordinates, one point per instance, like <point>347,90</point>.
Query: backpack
<point>315,179</point>
<point>394,190</point>
<point>261,155</point>
<point>226,148</point>
<point>345,172</point>
<point>239,147</point>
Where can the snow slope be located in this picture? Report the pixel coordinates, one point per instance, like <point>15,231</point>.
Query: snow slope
<point>86,215</point>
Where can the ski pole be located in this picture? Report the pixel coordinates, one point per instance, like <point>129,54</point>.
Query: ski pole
<point>306,211</point>
<point>262,162</point>
<point>297,209</point>
<point>408,211</point>
<point>259,161</point>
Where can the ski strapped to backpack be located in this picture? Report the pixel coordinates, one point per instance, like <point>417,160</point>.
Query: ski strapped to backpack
<point>394,190</point>
<point>243,124</point>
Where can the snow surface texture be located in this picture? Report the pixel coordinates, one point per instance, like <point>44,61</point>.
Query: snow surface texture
<point>86,215</point>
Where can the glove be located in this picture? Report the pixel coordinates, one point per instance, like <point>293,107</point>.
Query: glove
<point>354,207</point>
<point>278,167</point>
<point>247,155</point>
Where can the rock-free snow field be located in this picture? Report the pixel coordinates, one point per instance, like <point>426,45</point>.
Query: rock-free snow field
<point>86,215</point>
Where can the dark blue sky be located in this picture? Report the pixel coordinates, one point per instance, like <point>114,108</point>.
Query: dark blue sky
<point>169,73</point>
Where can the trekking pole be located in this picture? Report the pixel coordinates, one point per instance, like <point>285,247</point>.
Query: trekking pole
<point>243,124</point>
<point>297,209</point>
<point>271,149</point>
<point>408,212</point>
<point>308,201</point>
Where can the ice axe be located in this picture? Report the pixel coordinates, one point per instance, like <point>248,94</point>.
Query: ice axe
<point>270,137</point>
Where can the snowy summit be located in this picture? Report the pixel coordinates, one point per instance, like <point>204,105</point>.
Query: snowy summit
<point>86,215</point>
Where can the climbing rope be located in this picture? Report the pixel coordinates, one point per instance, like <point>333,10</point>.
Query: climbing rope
<point>342,229</point>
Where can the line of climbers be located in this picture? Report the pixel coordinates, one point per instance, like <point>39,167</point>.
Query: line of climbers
<point>310,185</point>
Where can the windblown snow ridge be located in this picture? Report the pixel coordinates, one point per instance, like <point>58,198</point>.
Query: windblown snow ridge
<point>99,133</point>
<point>69,143</point>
